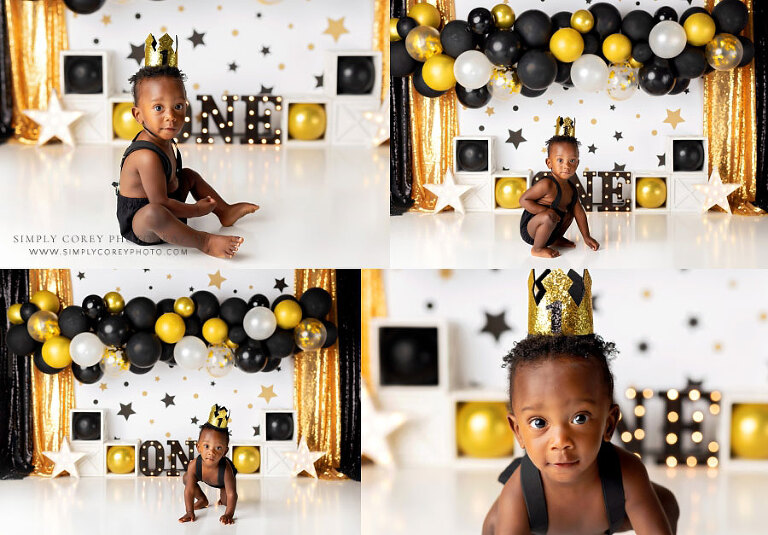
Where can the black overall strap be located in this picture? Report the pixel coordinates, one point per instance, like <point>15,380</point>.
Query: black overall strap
<point>533,492</point>
<point>138,145</point>
<point>574,195</point>
<point>509,470</point>
<point>609,466</point>
<point>222,467</point>
<point>199,468</point>
<point>556,203</point>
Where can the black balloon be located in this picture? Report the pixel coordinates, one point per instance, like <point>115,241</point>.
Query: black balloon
<point>233,310</point>
<point>84,7</point>
<point>251,357</point>
<point>642,52</point>
<point>94,307</point>
<point>83,74</point>
<point>563,73</point>
<point>192,326</point>
<point>656,79</point>
<point>315,303</point>
<point>280,344</point>
<point>86,426</point>
<point>166,354</point>
<point>687,155</point>
<point>141,313</point>
<point>749,51</point>
<point>72,321</point>
<point>87,375</point>
<point>456,38</point>
<point>405,25</point>
<point>532,93</point>
<point>42,365</point>
<point>143,349</point>
<point>281,298</point>
<point>112,330</point>
<point>480,21</point>
<point>503,47</point>
<point>537,69</point>
<point>206,304</point>
<point>690,11</point>
<point>561,19</point>
<point>471,156</point>
<point>681,84</point>
<point>534,27</point>
<point>421,86</point>
<point>237,334</point>
<point>139,371</point>
<point>592,43</point>
<point>332,333</point>
<point>690,63</point>
<point>607,19</point>
<point>473,98</point>
<point>637,25</point>
<point>355,75</point>
<point>272,365</point>
<point>279,426</point>
<point>165,306</point>
<point>258,300</point>
<point>27,309</point>
<point>665,13</point>
<point>18,340</point>
<point>731,16</point>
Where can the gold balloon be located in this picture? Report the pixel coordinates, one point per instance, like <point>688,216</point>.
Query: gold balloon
<point>438,72</point>
<point>184,307</point>
<point>288,314</point>
<point>246,459</point>
<point>566,44</point>
<point>582,20</point>
<point>14,314</point>
<point>617,48</point>
<point>170,327</point>
<point>425,14</point>
<point>482,430</point>
<point>115,302</point>
<point>749,431</point>
<point>215,330</point>
<point>724,52</point>
<point>306,121</point>
<point>508,191</point>
<point>121,459</point>
<point>56,352</point>
<point>634,63</point>
<point>651,192</point>
<point>423,42</point>
<point>699,29</point>
<point>230,344</point>
<point>123,123</point>
<point>393,35</point>
<point>46,300</point>
<point>43,325</point>
<point>503,16</point>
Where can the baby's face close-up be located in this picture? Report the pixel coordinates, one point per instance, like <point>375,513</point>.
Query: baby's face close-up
<point>561,414</point>
<point>212,446</point>
<point>563,160</point>
<point>162,106</point>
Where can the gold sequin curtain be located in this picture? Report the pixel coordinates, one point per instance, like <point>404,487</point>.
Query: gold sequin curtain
<point>316,385</point>
<point>374,304</point>
<point>434,124</point>
<point>52,395</point>
<point>381,41</point>
<point>730,127</point>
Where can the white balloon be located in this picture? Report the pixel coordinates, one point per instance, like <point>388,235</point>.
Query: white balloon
<point>259,323</point>
<point>589,73</point>
<point>472,69</point>
<point>190,352</point>
<point>667,39</point>
<point>86,349</point>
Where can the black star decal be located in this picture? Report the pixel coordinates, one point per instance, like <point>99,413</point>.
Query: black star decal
<point>191,289</point>
<point>595,308</point>
<point>80,275</point>
<point>197,38</point>
<point>265,50</point>
<point>613,107</point>
<point>686,90</point>
<point>256,430</point>
<point>495,324</point>
<point>592,148</point>
<point>213,383</point>
<point>319,81</point>
<point>280,284</point>
<point>126,410</point>
<point>642,347</point>
<point>137,53</point>
<point>617,167</point>
<point>693,321</point>
<point>617,135</point>
<point>516,137</point>
<point>233,66</point>
<point>194,419</point>
<point>266,90</point>
<point>168,400</point>
<point>662,159</point>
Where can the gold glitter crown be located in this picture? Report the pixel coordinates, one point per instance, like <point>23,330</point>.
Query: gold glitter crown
<point>559,303</point>
<point>160,53</point>
<point>219,417</point>
<point>567,125</point>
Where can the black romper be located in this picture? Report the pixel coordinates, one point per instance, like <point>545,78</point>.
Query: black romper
<point>222,466</point>
<point>557,232</point>
<point>128,206</point>
<point>608,465</point>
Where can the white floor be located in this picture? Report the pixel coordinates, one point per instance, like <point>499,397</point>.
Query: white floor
<point>433,500</point>
<point>486,240</point>
<point>320,207</point>
<point>154,504</point>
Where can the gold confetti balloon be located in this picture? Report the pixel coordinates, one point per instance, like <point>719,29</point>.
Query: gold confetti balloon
<point>504,84</point>
<point>622,81</point>
<point>113,362</point>
<point>425,14</point>
<point>184,307</point>
<point>220,360</point>
<point>508,191</point>
<point>46,300</point>
<point>310,334</point>
<point>423,42</point>
<point>749,431</point>
<point>438,72</point>
<point>123,123</point>
<point>482,430</point>
<point>306,121</point>
<point>288,314</point>
<point>503,16</point>
<point>55,352</point>
<point>582,20</point>
<point>699,29</point>
<point>617,48</point>
<point>115,302</point>
<point>43,325</point>
<point>651,192</point>
<point>393,35</point>
<point>170,327</point>
<point>246,459</point>
<point>14,314</point>
<point>724,52</point>
<point>121,459</point>
<point>566,44</point>
<point>215,330</point>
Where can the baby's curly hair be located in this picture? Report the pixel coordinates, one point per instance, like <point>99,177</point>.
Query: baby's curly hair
<point>154,72</point>
<point>222,432</point>
<point>537,348</point>
<point>562,139</point>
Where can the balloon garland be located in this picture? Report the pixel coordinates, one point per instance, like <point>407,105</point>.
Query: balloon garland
<point>496,54</point>
<point>107,336</point>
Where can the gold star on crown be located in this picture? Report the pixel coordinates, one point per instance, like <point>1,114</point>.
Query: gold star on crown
<point>565,126</point>
<point>160,53</point>
<point>219,417</point>
<point>559,303</point>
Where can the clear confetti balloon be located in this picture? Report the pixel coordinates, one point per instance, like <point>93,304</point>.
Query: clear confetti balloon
<point>310,334</point>
<point>113,362</point>
<point>724,52</point>
<point>622,81</point>
<point>43,325</point>
<point>504,83</point>
<point>220,360</point>
<point>423,42</point>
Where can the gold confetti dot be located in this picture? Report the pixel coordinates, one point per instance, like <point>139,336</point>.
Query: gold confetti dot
<point>311,46</point>
<point>732,284</point>
<point>163,29</point>
<point>290,26</point>
<point>181,8</point>
<point>637,115</point>
<point>144,393</point>
<point>763,316</point>
<point>631,148</point>
<point>235,33</point>
<point>654,132</point>
<point>184,378</point>
<point>593,121</point>
<point>194,396</point>
<point>168,435</point>
<point>281,66</point>
<point>235,391</point>
<point>151,421</point>
<point>250,405</point>
<point>581,101</point>
<point>250,287</point>
<point>718,346</point>
<point>218,7</point>
<point>646,294</point>
<point>535,118</point>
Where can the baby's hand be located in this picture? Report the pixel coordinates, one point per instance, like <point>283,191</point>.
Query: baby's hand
<point>189,517</point>
<point>227,519</point>
<point>205,206</point>
<point>592,243</point>
<point>552,215</point>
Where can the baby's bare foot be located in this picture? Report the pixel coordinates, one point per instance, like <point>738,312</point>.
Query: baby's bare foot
<point>221,246</point>
<point>230,214</point>
<point>546,252</point>
<point>202,503</point>
<point>564,242</point>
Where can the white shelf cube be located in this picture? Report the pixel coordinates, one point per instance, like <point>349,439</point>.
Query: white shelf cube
<point>726,461</point>
<point>93,463</point>
<point>102,413</point>
<point>259,445</point>
<point>480,197</point>
<point>263,426</point>
<point>65,56</point>
<point>289,100</point>
<point>130,443</point>
<point>525,175</point>
<point>490,165</point>
<point>91,127</point>
<point>348,124</point>
<point>330,78</point>
<point>464,461</point>
<point>274,463</point>
<point>669,158</point>
<point>639,175</point>
<point>685,197</point>
<point>111,103</point>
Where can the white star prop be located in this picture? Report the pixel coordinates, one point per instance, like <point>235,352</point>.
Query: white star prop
<point>65,459</point>
<point>303,459</point>
<point>54,121</point>
<point>380,119</point>
<point>715,192</point>
<point>448,193</point>
<point>376,427</point>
